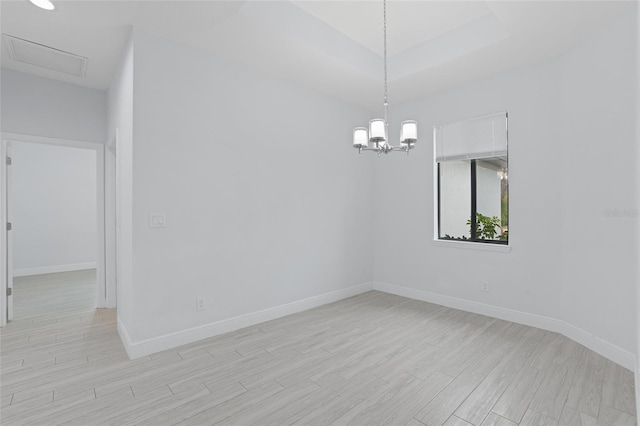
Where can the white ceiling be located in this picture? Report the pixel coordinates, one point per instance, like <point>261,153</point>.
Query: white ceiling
<point>334,47</point>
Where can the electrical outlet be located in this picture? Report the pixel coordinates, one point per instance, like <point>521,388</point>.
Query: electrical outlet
<point>485,286</point>
<point>157,220</point>
<point>201,303</point>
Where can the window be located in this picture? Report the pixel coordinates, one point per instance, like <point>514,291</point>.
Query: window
<point>472,180</point>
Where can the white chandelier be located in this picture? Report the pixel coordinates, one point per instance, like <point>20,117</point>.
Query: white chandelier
<point>378,131</point>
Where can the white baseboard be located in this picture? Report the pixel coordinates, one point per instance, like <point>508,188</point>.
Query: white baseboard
<point>596,344</point>
<point>126,339</point>
<point>172,340</point>
<point>637,377</point>
<point>53,269</point>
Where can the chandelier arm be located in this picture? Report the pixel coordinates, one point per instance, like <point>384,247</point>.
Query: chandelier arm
<point>386,148</point>
<point>404,149</point>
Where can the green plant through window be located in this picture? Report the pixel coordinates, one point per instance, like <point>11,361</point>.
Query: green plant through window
<point>486,229</point>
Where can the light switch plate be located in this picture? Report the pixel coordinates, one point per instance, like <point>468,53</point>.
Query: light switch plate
<point>157,220</point>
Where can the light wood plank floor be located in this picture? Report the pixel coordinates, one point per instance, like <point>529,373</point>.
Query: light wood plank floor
<point>54,294</point>
<point>373,359</point>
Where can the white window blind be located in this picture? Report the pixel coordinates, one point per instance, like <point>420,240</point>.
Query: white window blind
<point>480,137</point>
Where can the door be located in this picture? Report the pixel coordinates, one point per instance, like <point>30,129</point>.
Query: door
<point>9,248</point>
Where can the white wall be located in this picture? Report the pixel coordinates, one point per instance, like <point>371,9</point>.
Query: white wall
<point>42,107</point>
<point>599,145</point>
<point>406,254</point>
<point>54,208</point>
<point>637,179</point>
<point>572,152</point>
<point>266,201</point>
<point>637,192</point>
<point>119,172</point>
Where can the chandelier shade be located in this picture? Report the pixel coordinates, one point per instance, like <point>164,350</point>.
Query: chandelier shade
<point>377,130</point>
<point>409,132</point>
<point>360,137</point>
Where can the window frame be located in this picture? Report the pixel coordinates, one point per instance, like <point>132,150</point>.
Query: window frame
<point>473,242</point>
<point>473,211</point>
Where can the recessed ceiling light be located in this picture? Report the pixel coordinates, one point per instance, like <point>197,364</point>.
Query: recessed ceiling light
<point>43,4</point>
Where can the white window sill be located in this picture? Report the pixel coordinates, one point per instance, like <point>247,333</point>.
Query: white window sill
<point>473,246</point>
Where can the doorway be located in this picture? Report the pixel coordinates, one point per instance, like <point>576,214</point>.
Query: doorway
<point>60,224</point>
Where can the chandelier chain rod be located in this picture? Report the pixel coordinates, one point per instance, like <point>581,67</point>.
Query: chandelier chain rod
<point>386,100</point>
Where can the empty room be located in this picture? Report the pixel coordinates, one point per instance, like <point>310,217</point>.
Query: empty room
<point>378,212</point>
